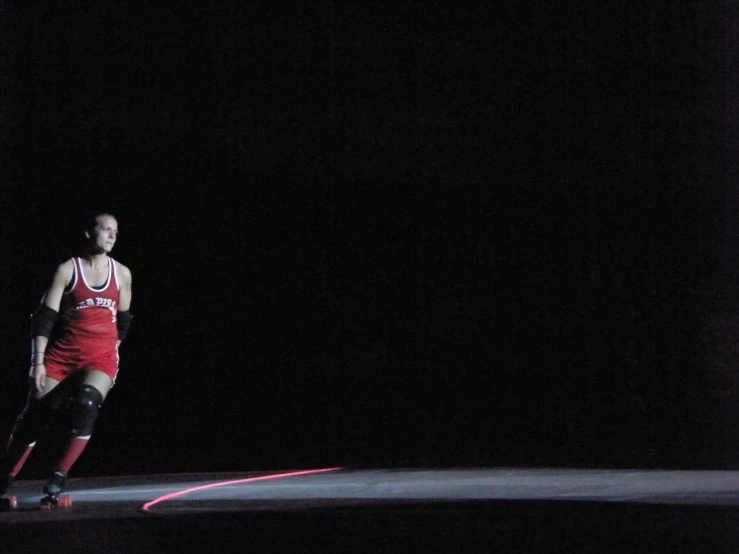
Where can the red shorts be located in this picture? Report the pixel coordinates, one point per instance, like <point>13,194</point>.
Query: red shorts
<point>63,359</point>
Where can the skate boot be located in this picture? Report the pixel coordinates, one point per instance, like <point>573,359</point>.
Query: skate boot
<point>53,490</point>
<point>7,501</point>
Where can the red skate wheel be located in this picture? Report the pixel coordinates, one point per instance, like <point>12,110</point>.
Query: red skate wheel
<point>9,503</point>
<point>65,501</point>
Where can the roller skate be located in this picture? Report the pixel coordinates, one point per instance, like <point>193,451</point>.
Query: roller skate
<point>7,501</point>
<point>53,490</point>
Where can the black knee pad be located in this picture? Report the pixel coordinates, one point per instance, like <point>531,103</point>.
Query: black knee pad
<point>82,410</point>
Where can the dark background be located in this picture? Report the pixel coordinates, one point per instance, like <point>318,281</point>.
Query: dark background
<point>389,235</point>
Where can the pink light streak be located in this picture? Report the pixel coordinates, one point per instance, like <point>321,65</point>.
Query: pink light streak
<point>147,507</point>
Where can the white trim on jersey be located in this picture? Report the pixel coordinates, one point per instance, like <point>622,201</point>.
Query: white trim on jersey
<point>73,283</point>
<point>107,280</point>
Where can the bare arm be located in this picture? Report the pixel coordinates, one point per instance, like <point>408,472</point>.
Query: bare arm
<point>126,284</point>
<point>52,299</point>
<point>126,289</point>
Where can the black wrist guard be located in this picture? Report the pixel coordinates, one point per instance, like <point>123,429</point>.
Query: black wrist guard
<point>42,321</point>
<point>123,322</point>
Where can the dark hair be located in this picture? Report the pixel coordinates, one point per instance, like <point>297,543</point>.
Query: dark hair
<point>92,220</point>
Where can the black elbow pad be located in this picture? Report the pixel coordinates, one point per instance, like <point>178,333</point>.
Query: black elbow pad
<point>42,321</point>
<point>123,323</point>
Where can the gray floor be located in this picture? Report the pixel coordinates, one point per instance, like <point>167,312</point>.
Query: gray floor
<point>379,511</point>
<point>194,493</point>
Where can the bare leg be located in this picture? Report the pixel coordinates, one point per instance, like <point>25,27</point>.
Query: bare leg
<point>99,380</point>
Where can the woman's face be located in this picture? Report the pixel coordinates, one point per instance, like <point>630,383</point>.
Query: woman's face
<point>105,233</point>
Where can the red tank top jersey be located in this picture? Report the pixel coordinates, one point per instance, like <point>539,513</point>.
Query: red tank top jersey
<point>90,313</point>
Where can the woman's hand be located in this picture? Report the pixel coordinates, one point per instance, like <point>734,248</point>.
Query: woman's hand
<point>38,372</point>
